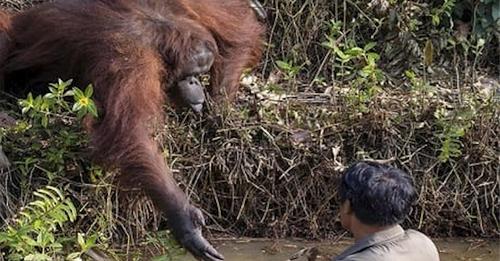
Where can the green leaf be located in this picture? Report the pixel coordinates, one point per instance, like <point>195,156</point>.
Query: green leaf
<point>283,65</point>
<point>29,241</point>
<point>26,215</point>
<point>49,96</point>
<point>372,57</point>
<point>74,256</point>
<point>81,113</point>
<point>92,109</point>
<point>24,110</point>
<point>428,53</point>
<point>53,198</point>
<point>70,210</point>
<point>330,44</point>
<point>56,190</point>
<point>39,204</point>
<point>369,46</point>
<point>78,94</point>
<point>37,257</point>
<point>435,19</point>
<point>76,107</point>
<point>68,93</point>
<point>63,84</point>
<point>45,121</point>
<point>81,241</point>
<point>355,52</point>
<point>89,91</point>
<point>341,55</point>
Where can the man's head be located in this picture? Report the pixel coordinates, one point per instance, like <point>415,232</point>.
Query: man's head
<point>375,194</point>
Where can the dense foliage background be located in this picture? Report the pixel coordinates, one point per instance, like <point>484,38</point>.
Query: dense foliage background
<point>411,83</point>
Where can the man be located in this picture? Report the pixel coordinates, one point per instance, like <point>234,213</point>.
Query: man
<point>375,199</point>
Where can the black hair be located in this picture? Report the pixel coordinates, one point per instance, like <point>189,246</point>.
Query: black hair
<point>379,194</point>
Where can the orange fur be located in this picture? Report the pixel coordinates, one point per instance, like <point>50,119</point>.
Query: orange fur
<point>131,51</point>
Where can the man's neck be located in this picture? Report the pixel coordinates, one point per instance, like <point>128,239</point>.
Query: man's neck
<point>360,230</point>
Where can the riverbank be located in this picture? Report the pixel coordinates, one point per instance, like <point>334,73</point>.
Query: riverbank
<point>254,249</point>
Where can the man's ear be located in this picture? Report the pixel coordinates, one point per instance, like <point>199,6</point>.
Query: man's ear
<point>348,209</point>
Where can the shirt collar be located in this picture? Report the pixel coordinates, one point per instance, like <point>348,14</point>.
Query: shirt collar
<point>389,234</point>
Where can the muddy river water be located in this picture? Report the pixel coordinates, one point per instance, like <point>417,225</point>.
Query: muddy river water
<point>266,250</point>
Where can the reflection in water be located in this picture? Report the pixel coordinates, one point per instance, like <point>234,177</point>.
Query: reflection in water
<point>265,250</point>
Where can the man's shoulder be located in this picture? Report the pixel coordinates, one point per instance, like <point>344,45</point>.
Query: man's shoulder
<point>420,245</point>
<point>417,237</point>
<point>412,245</point>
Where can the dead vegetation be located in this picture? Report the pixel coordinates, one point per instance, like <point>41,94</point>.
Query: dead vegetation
<point>268,165</point>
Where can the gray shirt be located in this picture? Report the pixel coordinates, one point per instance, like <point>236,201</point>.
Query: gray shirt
<point>392,244</point>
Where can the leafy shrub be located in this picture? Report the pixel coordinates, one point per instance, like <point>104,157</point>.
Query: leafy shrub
<point>34,232</point>
<point>45,147</point>
<point>45,141</point>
